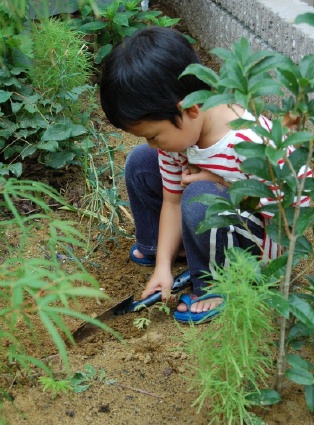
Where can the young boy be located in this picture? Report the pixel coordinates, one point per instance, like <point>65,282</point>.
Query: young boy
<point>141,93</point>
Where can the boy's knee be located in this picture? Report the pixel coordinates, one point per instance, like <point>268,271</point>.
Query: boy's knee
<point>137,160</point>
<point>134,157</point>
<point>195,210</point>
<point>190,209</point>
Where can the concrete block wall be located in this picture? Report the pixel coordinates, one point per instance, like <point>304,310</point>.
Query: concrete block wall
<point>268,24</point>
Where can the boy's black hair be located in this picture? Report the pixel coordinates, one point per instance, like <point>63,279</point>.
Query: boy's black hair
<point>140,77</point>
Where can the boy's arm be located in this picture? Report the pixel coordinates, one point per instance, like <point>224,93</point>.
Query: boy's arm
<point>169,242</point>
<point>193,174</point>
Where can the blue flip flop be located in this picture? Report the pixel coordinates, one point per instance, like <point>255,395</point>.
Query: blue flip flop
<point>196,318</point>
<point>148,260</point>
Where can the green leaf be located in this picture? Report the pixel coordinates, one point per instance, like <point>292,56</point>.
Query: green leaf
<point>209,199</point>
<point>121,20</point>
<point>257,58</point>
<point>80,388</point>
<point>268,64</point>
<point>275,267</point>
<point>305,18</point>
<point>277,132</point>
<point>274,155</point>
<point>296,361</point>
<point>217,221</point>
<point>219,99</point>
<point>203,73</point>
<point>264,397</point>
<point>256,166</point>
<point>250,150</point>
<point>306,67</point>
<point>300,376</point>
<point>90,371</point>
<point>16,169</point>
<point>242,99</point>
<point>77,130</point>
<point>254,188</point>
<point>224,54</point>
<point>55,336</point>
<point>309,186</point>
<point>297,331</point>
<point>57,132</point>
<point>309,393</point>
<point>16,106</point>
<point>262,88</point>
<point>298,138</point>
<point>242,49</point>
<point>303,246</point>
<point>93,26</point>
<point>277,301</point>
<point>102,53</point>
<point>306,220</point>
<point>51,146</point>
<point>5,95</point>
<point>58,160</point>
<point>216,208</point>
<point>302,310</point>
<point>195,98</point>
<point>297,160</point>
<point>289,80</point>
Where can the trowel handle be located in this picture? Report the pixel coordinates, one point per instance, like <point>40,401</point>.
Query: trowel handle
<point>181,282</point>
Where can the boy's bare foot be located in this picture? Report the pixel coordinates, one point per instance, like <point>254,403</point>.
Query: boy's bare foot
<point>138,254</point>
<point>200,306</point>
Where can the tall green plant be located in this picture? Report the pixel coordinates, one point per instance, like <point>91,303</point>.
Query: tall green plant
<point>233,360</point>
<point>39,287</point>
<point>246,78</point>
<point>102,201</point>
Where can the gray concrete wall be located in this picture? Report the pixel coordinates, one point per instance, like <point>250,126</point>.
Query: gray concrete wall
<point>268,24</point>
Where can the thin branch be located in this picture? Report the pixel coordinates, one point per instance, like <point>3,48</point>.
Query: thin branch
<point>139,390</point>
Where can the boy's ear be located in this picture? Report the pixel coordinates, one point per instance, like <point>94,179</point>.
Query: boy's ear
<point>192,111</point>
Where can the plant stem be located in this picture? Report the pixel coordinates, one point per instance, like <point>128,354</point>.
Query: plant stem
<point>285,283</point>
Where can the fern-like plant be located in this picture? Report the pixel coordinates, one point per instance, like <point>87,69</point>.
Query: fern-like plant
<point>34,290</point>
<point>232,356</point>
<point>61,59</point>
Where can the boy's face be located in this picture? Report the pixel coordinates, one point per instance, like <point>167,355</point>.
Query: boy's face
<point>166,136</point>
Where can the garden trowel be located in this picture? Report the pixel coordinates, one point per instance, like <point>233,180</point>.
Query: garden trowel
<point>181,282</point>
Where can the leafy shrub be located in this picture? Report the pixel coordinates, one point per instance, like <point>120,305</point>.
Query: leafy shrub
<point>110,23</point>
<point>245,78</point>
<point>31,124</point>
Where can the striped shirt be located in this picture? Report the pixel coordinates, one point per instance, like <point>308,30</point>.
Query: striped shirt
<point>222,159</point>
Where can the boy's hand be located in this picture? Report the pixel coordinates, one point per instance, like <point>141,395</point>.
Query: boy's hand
<point>193,174</point>
<point>159,282</point>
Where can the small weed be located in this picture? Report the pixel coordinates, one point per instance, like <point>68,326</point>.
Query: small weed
<point>55,387</point>
<point>142,322</point>
<point>145,322</point>
<point>81,381</point>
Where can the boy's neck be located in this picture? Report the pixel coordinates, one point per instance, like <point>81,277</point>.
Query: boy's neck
<point>215,124</point>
